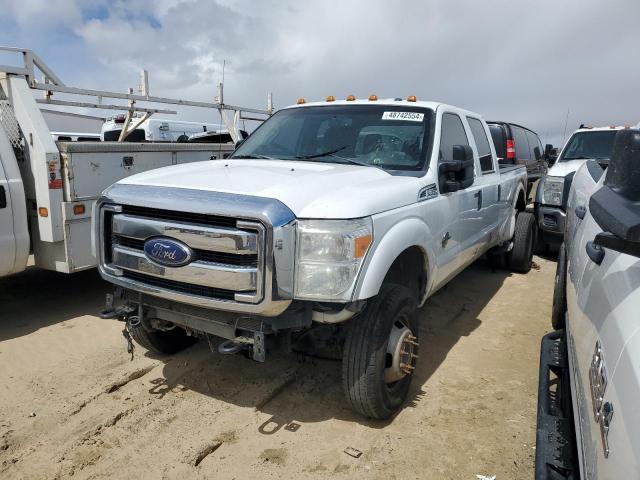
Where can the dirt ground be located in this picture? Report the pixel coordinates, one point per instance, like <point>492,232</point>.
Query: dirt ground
<point>73,404</point>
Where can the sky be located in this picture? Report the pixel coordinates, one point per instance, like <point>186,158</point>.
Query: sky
<point>543,64</point>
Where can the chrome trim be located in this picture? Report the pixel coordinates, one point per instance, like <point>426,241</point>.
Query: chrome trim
<point>259,280</point>
<point>215,275</point>
<point>217,239</point>
<point>268,217</point>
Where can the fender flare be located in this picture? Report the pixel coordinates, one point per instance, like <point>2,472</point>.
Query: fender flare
<point>407,233</point>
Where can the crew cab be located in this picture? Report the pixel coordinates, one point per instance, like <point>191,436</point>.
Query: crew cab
<point>588,415</point>
<point>349,213</point>
<point>586,143</point>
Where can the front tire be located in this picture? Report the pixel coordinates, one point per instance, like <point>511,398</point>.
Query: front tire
<point>380,353</point>
<point>521,255</point>
<point>159,342</point>
<point>560,291</point>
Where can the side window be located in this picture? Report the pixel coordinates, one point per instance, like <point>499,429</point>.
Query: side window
<point>534,142</point>
<point>521,143</point>
<point>452,133</point>
<point>482,144</point>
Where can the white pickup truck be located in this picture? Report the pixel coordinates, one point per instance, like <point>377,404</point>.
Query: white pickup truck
<point>588,415</point>
<point>339,212</point>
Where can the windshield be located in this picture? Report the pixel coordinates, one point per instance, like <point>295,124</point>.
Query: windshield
<point>384,136</point>
<point>597,145</point>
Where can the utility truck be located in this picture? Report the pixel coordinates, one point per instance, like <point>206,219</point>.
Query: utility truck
<point>348,213</point>
<point>588,415</point>
<point>49,182</point>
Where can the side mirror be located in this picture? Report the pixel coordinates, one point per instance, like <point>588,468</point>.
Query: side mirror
<point>457,174</point>
<point>616,206</point>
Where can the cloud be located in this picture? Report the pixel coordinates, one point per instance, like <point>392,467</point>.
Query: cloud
<point>527,61</point>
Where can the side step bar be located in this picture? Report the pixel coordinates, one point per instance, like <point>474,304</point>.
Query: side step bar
<point>556,452</point>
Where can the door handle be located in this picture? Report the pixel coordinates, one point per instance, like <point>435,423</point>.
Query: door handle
<point>478,195</point>
<point>3,198</point>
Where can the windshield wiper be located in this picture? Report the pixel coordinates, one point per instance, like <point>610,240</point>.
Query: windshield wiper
<point>252,157</point>
<point>328,153</point>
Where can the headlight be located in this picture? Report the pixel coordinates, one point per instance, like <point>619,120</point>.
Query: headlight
<point>552,191</point>
<point>329,254</point>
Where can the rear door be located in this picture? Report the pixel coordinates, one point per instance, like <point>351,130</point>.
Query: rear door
<point>464,219</point>
<point>499,137</point>
<point>487,180</point>
<point>7,235</point>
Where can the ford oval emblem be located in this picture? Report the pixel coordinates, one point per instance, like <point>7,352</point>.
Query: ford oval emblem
<point>168,252</point>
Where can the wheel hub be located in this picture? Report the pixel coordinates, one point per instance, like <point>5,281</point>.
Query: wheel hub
<point>403,348</point>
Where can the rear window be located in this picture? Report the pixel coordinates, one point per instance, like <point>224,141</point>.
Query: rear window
<point>482,144</point>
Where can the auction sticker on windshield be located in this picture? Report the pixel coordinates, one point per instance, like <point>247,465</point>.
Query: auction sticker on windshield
<point>406,116</point>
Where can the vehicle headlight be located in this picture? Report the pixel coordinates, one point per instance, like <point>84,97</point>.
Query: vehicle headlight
<point>329,254</point>
<point>552,191</point>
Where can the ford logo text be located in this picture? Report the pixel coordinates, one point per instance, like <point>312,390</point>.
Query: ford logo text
<point>168,252</point>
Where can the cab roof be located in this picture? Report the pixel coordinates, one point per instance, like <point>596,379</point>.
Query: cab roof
<point>386,101</point>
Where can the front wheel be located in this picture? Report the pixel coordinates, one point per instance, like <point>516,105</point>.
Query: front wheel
<point>380,353</point>
<point>521,254</point>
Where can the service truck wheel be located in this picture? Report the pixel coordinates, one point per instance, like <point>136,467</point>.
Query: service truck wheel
<point>380,353</point>
<point>560,291</point>
<point>160,342</point>
<point>521,254</point>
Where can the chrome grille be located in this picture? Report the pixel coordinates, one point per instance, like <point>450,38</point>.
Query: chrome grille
<point>228,260</point>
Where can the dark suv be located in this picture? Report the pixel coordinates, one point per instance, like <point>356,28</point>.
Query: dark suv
<point>518,145</point>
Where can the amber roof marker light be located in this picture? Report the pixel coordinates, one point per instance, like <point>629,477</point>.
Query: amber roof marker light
<point>301,101</point>
<point>411,98</point>
<point>331,98</point>
<point>351,98</point>
<point>373,98</point>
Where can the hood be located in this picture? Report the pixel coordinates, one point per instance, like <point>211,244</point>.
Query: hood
<point>310,190</point>
<point>562,169</point>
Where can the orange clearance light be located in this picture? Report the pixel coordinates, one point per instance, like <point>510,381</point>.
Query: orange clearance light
<point>411,98</point>
<point>43,212</point>
<point>78,209</point>
<point>301,101</point>
<point>351,98</point>
<point>331,98</point>
<point>373,98</point>
<point>612,126</point>
<point>362,245</point>
<point>627,127</point>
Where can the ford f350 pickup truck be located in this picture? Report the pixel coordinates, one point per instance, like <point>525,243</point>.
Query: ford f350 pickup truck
<point>343,212</point>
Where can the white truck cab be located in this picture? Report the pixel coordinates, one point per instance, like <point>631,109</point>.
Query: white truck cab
<point>14,232</point>
<point>589,422</point>
<point>586,143</point>
<point>349,213</point>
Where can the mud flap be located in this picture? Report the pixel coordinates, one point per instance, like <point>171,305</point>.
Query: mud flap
<point>556,452</point>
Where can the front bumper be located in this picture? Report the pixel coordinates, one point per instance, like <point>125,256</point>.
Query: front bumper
<point>556,446</point>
